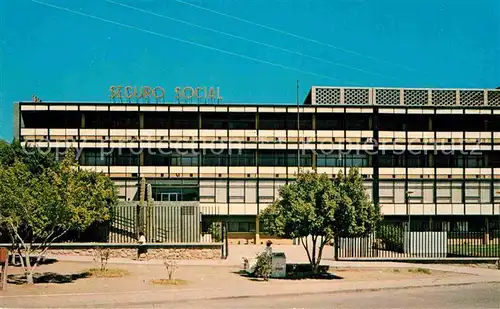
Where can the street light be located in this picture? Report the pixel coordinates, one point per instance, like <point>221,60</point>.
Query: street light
<point>408,227</point>
<point>498,228</point>
<point>408,193</point>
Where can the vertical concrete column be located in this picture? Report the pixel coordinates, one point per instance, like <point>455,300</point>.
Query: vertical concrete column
<point>257,230</point>
<point>82,122</point>
<point>141,126</point>
<point>486,237</point>
<point>141,120</point>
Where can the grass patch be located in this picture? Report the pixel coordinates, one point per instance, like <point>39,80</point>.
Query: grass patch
<point>420,271</point>
<point>108,273</point>
<point>474,250</point>
<point>169,281</point>
<point>396,270</point>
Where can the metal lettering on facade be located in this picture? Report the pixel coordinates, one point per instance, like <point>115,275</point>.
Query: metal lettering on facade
<point>158,93</point>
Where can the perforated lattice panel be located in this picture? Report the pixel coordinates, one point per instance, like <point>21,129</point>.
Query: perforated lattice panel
<point>415,97</point>
<point>444,97</point>
<point>494,97</point>
<point>356,96</point>
<point>471,98</point>
<point>387,97</point>
<point>327,96</point>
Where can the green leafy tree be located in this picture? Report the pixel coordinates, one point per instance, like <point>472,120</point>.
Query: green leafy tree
<point>320,208</point>
<point>37,210</point>
<point>35,159</point>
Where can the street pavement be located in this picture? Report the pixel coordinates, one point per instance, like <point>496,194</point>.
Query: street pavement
<point>484,296</point>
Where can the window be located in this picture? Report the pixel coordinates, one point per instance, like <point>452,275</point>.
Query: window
<point>305,159</point>
<point>485,191</point>
<point>416,189</point>
<point>418,122</point>
<point>326,121</point>
<point>242,158</point>
<point>156,120</point>
<point>357,160</point>
<point>241,227</point>
<point>472,192</point>
<point>250,191</point>
<point>241,121</point>
<point>221,191</point>
<point>124,157</point>
<point>443,192</point>
<point>184,120</point>
<point>111,120</point>
<point>390,160</point>
<point>94,157</point>
<point>416,160</point>
<point>207,191</point>
<point>329,160</point>
<point>357,121</point>
<point>266,191</point>
<point>214,159</point>
<point>236,191</point>
<point>272,121</point>
<point>272,158</point>
<point>391,122</point>
<point>386,192</point>
<point>214,121</point>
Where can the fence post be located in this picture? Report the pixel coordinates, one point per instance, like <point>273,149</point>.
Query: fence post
<point>336,247</point>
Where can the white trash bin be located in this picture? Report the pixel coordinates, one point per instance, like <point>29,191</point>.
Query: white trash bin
<point>278,265</point>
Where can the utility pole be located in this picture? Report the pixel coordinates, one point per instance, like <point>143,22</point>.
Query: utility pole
<point>298,129</point>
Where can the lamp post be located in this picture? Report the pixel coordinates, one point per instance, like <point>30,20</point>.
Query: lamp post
<point>408,227</point>
<point>408,193</point>
<point>498,228</point>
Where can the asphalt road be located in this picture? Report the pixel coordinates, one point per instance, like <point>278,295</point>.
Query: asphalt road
<point>467,296</point>
<point>464,296</point>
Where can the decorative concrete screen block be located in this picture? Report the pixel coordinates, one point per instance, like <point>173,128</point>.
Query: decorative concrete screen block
<point>357,96</point>
<point>387,97</point>
<point>278,265</point>
<point>471,97</point>
<point>494,97</point>
<point>415,97</point>
<point>426,244</point>
<point>327,96</point>
<point>444,97</point>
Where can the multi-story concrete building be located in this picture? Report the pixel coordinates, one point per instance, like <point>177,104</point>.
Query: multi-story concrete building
<point>429,155</point>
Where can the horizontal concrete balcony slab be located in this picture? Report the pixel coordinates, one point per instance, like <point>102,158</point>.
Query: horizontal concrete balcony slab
<point>385,110</point>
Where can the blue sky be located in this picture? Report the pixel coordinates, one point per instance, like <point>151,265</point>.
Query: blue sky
<point>61,55</point>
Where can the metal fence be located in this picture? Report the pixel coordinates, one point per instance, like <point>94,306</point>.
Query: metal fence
<point>395,241</point>
<point>163,222</point>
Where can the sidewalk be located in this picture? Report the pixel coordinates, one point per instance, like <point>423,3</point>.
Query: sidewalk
<point>463,269</point>
<point>261,289</point>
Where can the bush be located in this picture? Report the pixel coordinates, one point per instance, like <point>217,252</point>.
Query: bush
<point>391,237</point>
<point>263,266</point>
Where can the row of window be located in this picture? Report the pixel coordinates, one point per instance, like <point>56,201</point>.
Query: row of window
<point>263,121</point>
<point>456,192</point>
<point>266,191</point>
<point>164,157</point>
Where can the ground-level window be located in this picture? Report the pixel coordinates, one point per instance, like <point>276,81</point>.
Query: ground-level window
<point>241,227</point>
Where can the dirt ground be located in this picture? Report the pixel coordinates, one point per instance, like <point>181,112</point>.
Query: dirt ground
<point>68,277</point>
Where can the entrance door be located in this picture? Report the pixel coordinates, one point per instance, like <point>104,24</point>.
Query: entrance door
<point>170,197</point>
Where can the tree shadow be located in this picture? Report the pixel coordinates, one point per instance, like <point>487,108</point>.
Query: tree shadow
<point>16,262</point>
<point>297,272</point>
<point>47,277</point>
